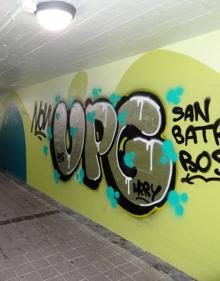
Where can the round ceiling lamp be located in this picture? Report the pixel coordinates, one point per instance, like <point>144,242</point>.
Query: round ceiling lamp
<point>55,15</point>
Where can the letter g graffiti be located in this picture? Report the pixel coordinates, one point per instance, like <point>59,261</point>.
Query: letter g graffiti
<point>143,184</point>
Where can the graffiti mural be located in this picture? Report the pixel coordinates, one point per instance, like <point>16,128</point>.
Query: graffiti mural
<point>119,138</point>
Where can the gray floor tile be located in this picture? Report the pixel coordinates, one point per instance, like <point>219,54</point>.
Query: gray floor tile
<point>151,275</point>
<point>56,246</point>
<point>129,279</point>
<point>57,258</point>
<point>18,260</point>
<point>49,251</point>
<point>40,264</point>
<point>57,278</point>
<point>129,268</point>
<point>31,277</point>
<point>108,252</point>
<point>4,263</point>
<point>103,265</point>
<point>47,272</point>
<point>13,252</point>
<point>7,274</point>
<point>33,255</point>
<point>117,260</point>
<point>64,267</point>
<point>89,271</point>
<point>73,276</point>
<point>75,253</point>
<point>99,277</point>
<point>141,264</point>
<point>80,262</point>
<point>140,276</point>
<point>24,269</point>
<point>93,256</point>
<point>115,274</point>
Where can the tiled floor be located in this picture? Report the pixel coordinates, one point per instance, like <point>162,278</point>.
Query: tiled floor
<point>38,241</point>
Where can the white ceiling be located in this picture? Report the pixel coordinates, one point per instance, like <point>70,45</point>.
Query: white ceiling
<point>102,31</point>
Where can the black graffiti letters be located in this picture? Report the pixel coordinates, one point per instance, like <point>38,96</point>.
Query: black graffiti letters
<point>203,161</point>
<point>41,119</point>
<point>216,131</point>
<point>192,112</point>
<point>145,190</point>
<point>123,142</point>
<point>192,133</point>
<point>60,157</point>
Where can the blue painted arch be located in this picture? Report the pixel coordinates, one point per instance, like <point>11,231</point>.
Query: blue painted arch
<point>12,144</point>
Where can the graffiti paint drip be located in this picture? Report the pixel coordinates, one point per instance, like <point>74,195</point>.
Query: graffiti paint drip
<point>127,181</point>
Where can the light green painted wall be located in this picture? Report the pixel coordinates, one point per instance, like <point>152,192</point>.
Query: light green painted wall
<point>190,242</point>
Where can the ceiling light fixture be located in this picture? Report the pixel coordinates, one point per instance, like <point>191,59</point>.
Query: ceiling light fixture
<point>55,15</point>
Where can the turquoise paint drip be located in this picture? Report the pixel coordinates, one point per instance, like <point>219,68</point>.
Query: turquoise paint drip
<point>114,99</point>
<point>56,176</point>
<point>45,150</point>
<point>90,116</point>
<point>80,175</point>
<point>173,95</point>
<point>122,116</point>
<point>129,159</point>
<point>175,201</point>
<point>96,92</point>
<point>57,99</point>
<point>113,196</point>
<point>168,153</point>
